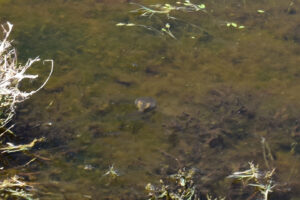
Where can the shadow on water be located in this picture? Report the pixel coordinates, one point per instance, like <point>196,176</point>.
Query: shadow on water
<point>218,89</point>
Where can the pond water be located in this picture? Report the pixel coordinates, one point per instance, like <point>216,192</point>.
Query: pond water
<point>219,90</point>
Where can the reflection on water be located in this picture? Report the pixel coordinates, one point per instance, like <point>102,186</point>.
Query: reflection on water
<point>218,91</point>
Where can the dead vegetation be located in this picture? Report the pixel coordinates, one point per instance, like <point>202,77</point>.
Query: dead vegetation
<point>11,74</point>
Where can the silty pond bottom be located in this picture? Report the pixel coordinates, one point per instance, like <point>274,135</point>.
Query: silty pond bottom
<point>223,78</point>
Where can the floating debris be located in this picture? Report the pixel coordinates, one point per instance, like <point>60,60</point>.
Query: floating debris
<point>168,31</point>
<point>234,25</point>
<point>145,104</point>
<point>88,167</point>
<point>11,148</point>
<point>112,172</point>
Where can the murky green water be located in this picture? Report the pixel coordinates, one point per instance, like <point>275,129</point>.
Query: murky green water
<point>218,90</point>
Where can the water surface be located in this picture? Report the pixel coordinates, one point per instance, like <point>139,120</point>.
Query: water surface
<point>219,90</point>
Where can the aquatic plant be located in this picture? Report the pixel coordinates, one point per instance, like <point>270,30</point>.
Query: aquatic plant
<point>163,9</point>
<point>253,177</point>
<point>267,154</point>
<point>167,31</point>
<point>11,74</point>
<point>166,9</point>
<point>164,30</point>
<point>11,148</point>
<point>247,175</point>
<point>139,25</point>
<point>15,187</point>
<point>180,186</point>
<point>112,172</point>
<point>157,9</point>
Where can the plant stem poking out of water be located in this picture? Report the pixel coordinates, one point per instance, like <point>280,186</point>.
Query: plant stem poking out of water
<point>267,154</point>
<point>11,148</point>
<point>112,172</point>
<point>163,9</point>
<point>14,187</point>
<point>262,181</point>
<point>168,31</point>
<point>166,9</point>
<point>11,74</point>
<point>181,186</point>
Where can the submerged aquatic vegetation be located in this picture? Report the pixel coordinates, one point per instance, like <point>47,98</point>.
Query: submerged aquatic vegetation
<point>157,9</point>
<point>14,187</point>
<point>180,186</point>
<point>253,177</point>
<point>267,154</point>
<point>11,148</point>
<point>164,9</point>
<point>265,189</point>
<point>167,31</point>
<point>247,175</point>
<point>139,25</point>
<point>164,30</point>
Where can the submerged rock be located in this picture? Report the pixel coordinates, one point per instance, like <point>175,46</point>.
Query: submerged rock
<point>145,104</point>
